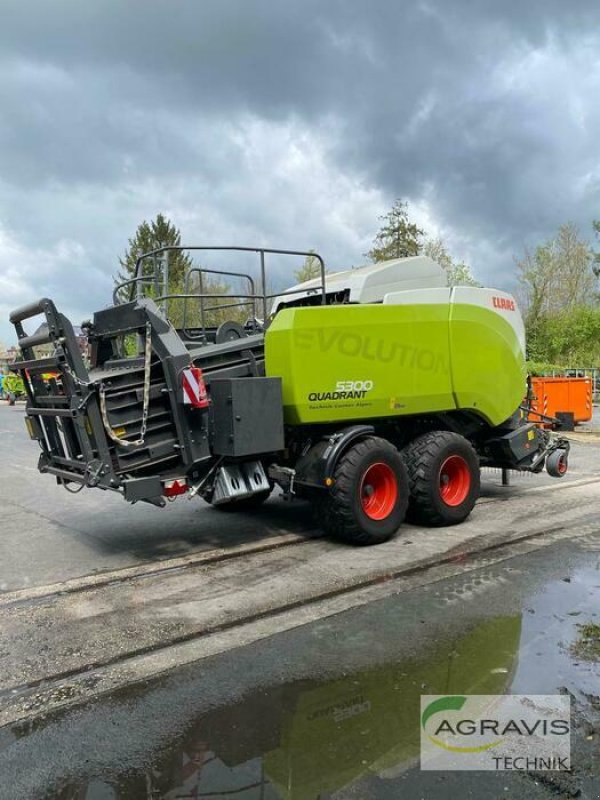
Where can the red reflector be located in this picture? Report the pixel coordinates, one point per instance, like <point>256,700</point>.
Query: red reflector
<point>194,390</point>
<point>175,487</point>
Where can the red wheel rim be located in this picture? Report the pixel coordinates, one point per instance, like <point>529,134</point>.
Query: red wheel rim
<point>378,491</point>
<point>455,480</point>
<point>562,465</point>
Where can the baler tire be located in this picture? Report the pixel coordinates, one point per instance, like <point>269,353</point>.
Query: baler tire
<point>431,503</point>
<point>344,510</point>
<point>251,503</point>
<point>557,464</point>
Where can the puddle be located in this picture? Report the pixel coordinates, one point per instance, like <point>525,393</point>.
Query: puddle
<point>549,629</point>
<point>331,710</point>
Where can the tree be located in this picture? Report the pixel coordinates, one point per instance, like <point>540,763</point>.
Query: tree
<point>596,254</point>
<point>569,337</point>
<point>558,294</point>
<point>161,232</point>
<point>457,272</point>
<point>536,275</point>
<point>558,275</point>
<point>149,236</point>
<point>398,237</point>
<point>311,268</point>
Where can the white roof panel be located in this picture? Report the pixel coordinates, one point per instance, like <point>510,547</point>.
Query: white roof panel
<point>371,283</point>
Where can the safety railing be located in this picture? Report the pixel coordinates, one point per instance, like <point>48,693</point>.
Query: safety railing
<point>159,259</point>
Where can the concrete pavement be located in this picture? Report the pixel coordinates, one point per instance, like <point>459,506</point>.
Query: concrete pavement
<point>92,599</point>
<point>331,708</point>
<point>93,531</point>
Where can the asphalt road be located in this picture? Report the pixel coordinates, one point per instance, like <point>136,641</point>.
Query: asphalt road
<point>102,604</point>
<point>49,535</point>
<point>330,709</point>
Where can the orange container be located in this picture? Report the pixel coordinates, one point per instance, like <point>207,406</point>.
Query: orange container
<point>562,394</point>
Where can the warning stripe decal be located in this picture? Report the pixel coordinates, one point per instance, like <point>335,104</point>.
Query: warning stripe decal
<point>194,391</point>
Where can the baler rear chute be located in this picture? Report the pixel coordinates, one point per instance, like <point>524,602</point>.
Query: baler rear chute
<point>372,393</point>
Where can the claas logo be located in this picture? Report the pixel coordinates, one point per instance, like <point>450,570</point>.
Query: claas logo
<point>504,303</point>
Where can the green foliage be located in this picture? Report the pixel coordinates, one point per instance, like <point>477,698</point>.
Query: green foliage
<point>558,275</point>
<point>398,237</point>
<point>311,268</point>
<point>558,285</point>
<point>458,273</point>
<point>158,233</point>
<point>587,645</point>
<point>542,368</point>
<point>13,383</point>
<point>214,313</point>
<point>149,236</point>
<point>596,254</point>
<point>569,337</point>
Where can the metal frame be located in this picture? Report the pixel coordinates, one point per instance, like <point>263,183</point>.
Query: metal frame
<point>60,420</point>
<point>137,281</point>
<point>201,296</point>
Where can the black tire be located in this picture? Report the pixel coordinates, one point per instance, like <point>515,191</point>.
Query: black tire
<point>251,503</point>
<point>229,332</point>
<point>432,502</point>
<point>557,464</point>
<point>344,510</point>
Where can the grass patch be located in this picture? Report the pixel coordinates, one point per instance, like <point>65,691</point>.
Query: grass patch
<point>587,646</point>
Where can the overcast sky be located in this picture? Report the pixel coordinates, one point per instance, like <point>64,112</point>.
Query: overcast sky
<point>291,124</point>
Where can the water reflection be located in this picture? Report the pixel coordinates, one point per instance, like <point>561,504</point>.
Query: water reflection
<point>307,739</point>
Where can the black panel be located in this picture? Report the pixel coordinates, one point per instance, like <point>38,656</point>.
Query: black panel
<point>246,416</point>
<point>516,446</point>
<point>566,420</point>
<point>142,488</point>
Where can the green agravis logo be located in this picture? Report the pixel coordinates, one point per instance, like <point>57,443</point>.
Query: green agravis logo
<point>450,703</point>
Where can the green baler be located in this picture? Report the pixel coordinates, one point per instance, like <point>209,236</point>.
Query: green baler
<point>372,393</point>
<point>384,361</point>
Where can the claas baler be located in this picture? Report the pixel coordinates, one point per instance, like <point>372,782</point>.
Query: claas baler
<point>375,394</point>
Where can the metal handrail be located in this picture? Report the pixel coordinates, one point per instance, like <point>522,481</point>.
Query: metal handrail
<point>246,301</point>
<point>261,252</point>
<point>200,271</point>
<point>129,282</point>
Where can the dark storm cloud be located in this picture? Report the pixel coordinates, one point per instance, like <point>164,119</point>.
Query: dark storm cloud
<point>292,119</point>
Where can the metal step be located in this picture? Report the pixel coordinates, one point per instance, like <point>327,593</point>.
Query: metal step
<point>41,364</point>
